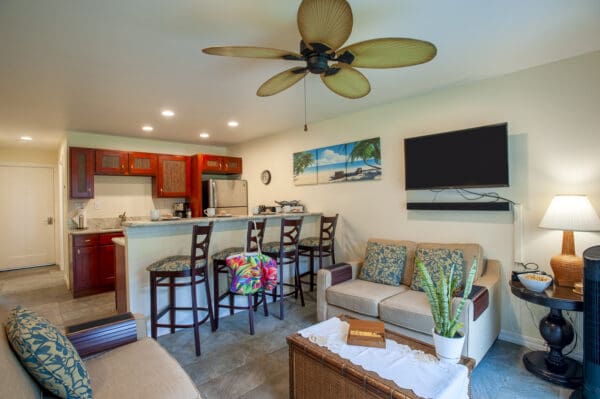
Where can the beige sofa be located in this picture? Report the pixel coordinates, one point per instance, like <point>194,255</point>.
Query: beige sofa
<point>142,369</point>
<point>406,311</point>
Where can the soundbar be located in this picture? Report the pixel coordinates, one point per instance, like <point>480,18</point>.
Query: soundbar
<point>458,206</point>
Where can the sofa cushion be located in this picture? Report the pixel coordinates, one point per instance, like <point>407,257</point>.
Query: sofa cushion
<point>384,263</point>
<point>409,309</point>
<point>361,296</point>
<point>144,363</point>
<point>47,354</point>
<point>436,261</point>
<point>15,382</point>
<point>470,251</point>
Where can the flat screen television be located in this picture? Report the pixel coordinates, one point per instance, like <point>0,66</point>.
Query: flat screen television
<point>476,157</point>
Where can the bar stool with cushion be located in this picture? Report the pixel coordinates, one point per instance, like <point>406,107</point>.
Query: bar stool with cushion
<point>163,273</point>
<point>285,252</point>
<point>321,246</point>
<point>254,238</point>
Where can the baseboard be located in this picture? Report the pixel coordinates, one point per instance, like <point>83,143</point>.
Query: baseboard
<point>532,343</point>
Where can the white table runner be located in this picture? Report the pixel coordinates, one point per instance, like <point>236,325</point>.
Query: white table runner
<point>408,368</point>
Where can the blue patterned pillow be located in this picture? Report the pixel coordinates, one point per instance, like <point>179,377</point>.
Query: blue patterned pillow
<point>384,263</point>
<point>48,355</point>
<point>433,259</point>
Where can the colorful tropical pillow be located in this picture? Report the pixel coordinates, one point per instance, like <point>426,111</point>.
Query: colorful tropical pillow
<point>48,355</point>
<point>252,272</point>
<point>384,263</point>
<point>437,259</point>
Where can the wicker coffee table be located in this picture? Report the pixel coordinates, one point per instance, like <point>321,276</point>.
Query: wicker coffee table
<point>316,372</point>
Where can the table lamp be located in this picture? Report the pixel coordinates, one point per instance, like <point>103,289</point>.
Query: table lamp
<point>569,213</point>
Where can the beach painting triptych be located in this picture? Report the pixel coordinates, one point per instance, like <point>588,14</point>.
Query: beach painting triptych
<point>356,161</point>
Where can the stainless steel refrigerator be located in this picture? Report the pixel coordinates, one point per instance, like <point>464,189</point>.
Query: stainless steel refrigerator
<point>226,196</point>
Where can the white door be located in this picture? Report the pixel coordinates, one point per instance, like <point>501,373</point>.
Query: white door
<point>27,215</point>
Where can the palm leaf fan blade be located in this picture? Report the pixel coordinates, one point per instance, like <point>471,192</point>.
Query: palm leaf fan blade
<point>252,52</point>
<point>389,53</point>
<point>347,82</point>
<point>281,81</point>
<point>327,22</point>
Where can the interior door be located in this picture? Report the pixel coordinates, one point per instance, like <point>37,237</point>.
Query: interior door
<point>27,214</point>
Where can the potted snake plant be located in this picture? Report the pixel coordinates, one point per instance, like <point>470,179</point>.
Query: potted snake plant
<point>447,337</point>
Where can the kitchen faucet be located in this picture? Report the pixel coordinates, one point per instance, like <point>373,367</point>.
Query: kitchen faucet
<point>123,217</point>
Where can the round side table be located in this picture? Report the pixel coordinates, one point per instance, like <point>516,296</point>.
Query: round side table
<point>553,366</point>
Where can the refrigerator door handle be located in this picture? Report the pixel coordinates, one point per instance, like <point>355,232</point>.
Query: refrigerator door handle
<point>213,192</point>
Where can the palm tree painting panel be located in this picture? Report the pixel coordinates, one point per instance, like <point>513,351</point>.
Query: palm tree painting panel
<point>331,164</point>
<point>364,160</point>
<point>305,168</point>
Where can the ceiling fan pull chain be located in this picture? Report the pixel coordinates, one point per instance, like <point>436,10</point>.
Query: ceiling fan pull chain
<point>305,124</point>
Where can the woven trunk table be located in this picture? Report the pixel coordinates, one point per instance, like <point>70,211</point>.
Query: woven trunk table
<point>317,373</point>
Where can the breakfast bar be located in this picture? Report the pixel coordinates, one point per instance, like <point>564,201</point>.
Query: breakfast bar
<point>148,241</point>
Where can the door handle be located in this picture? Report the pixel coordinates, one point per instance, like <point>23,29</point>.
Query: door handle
<point>50,220</point>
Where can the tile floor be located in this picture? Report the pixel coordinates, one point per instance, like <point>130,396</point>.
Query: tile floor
<point>235,364</point>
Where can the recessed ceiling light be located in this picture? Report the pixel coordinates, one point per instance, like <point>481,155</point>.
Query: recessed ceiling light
<point>167,112</point>
<point>233,124</point>
<point>147,128</point>
<point>25,138</point>
<point>204,135</point>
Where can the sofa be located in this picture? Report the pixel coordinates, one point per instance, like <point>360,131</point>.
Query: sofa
<point>139,369</point>
<point>343,289</point>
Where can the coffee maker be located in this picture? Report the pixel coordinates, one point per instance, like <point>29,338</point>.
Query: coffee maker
<point>180,209</point>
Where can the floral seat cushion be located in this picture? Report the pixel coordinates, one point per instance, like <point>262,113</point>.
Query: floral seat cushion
<point>176,263</point>
<point>48,355</point>
<point>313,242</point>
<point>227,252</point>
<point>384,263</point>
<point>437,259</point>
<point>273,248</point>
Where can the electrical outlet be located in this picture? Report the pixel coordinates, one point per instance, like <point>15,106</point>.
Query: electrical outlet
<point>96,204</point>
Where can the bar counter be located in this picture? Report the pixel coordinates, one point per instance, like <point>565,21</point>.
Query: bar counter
<point>148,241</point>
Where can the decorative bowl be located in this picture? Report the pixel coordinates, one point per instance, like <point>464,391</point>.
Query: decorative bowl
<point>535,282</point>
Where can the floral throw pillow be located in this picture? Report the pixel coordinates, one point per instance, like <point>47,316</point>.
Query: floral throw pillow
<point>434,259</point>
<point>48,355</point>
<point>384,263</point>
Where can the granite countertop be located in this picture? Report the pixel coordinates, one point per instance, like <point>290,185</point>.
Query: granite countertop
<point>165,221</point>
<point>96,230</point>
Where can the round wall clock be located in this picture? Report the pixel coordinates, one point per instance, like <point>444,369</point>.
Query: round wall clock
<point>265,177</point>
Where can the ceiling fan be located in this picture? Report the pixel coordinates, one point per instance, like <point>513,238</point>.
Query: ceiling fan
<point>324,26</point>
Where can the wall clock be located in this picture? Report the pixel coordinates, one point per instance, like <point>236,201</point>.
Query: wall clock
<point>265,177</point>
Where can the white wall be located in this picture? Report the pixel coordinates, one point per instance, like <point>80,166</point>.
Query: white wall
<point>554,128</point>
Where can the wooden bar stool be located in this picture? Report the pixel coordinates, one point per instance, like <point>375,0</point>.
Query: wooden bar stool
<point>163,273</point>
<point>254,238</point>
<point>321,246</point>
<point>285,251</point>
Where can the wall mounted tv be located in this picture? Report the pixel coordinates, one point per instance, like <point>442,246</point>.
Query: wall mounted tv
<point>476,157</point>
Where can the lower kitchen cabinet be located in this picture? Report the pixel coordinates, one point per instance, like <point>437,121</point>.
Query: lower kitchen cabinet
<point>93,264</point>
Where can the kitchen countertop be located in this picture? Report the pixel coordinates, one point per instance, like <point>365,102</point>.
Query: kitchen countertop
<point>96,230</point>
<point>119,241</point>
<point>165,222</point>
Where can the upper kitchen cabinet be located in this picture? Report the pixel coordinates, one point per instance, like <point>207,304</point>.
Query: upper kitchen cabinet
<point>142,164</point>
<point>173,176</point>
<point>81,172</point>
<point>112,162</point>
<point>219,164</point>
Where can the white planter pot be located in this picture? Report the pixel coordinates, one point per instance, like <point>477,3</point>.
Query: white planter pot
<point>448,349</point>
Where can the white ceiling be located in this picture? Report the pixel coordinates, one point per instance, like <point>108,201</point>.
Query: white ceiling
<point>110,66</point>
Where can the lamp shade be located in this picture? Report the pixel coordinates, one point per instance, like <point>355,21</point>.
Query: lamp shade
<point>572,213</point>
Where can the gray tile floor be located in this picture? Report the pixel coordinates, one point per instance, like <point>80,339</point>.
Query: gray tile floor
<point>235,364</point>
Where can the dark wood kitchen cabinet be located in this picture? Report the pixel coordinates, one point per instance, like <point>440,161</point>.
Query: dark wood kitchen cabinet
<point>172,176</point>
<point>112,162</point>
<point>220,164</point>
<point>93,269</point>
<point>81,172</point>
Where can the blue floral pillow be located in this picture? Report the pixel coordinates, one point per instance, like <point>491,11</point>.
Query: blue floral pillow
<point>433,259</point>
<point>48,355</point>
<point>384,263</point>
